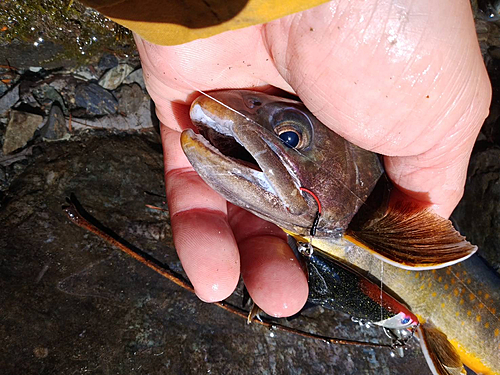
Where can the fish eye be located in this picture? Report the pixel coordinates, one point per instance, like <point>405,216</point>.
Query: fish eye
<point>290,138</point>
<point>253,102</point>
<point>293,126</point>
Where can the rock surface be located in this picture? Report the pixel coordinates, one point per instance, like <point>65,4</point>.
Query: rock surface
<point>55,127</point>
<point>20,130</point>
<point>71,304</point>
<point>115,76</point>
<point>481,201</point>
<point>95,100</point>
<point>9,98</point>
<point>130,98</point>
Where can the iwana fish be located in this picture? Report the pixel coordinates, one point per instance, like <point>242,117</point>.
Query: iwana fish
<point>271,156</point>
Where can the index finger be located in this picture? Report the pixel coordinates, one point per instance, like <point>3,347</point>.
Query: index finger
<point>202,235</point>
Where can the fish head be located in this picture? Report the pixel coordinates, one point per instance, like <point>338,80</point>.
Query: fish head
<point>271,156</point>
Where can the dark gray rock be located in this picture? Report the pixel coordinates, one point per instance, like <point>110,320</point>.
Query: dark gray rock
<point>107,61</point>
<point>478,214</point>
<point>46,95</point>
<point>22,54</point>
<point>130,98</point>
<point>8,100</point>
<point>3,89</point>
<point>66,85</point>
<point>139,120</point>
<point>55,127</point>
<point>95,100</point>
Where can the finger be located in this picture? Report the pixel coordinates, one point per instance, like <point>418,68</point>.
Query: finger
<point>202,235</point>
<point>404,81</point>
<point>273,276</point>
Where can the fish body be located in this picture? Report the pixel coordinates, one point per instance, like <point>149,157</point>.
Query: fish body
<point>295,171</point>
<point>462,300</point>
<point>296,168</point>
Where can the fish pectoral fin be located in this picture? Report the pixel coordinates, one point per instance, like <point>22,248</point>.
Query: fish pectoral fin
<point>440,354</point>
<point>410,237</point>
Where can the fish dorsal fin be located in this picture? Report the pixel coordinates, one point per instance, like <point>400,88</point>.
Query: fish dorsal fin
<point>440,354</point>
<point>410,237</point>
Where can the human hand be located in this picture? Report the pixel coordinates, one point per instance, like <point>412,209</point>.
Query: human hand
<point>406,82</point>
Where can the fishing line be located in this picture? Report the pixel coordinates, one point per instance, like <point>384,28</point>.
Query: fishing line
<point>273,134</point>
<point>381,288</point>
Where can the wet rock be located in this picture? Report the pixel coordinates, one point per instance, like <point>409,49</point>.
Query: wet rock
<point>22,55</point>
<point>55,127</point>
<point>86,73</point>
<point>481,201</point>
<point>130,98</point>
<point>3,89</point>
<point>107,61</point>
<point>8,100</point>
<point>94,308</point>
<point>488,10</point>
<point>66,85</point>
<point>51,34</point>
<point>20,130</point>
<point>115,76</point>
<point>95,100</point>
<point>46,95</point>
<point>136,77</point>
<point>140,119</point>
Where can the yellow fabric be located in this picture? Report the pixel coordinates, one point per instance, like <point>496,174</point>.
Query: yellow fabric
<point>173,22</point>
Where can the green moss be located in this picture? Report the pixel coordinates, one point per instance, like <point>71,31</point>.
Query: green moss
<point>81,32</point>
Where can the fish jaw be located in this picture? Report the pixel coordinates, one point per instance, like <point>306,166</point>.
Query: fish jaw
<point>272,192</point>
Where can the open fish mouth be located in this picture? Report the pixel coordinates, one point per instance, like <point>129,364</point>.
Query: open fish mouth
<point>246,162</point>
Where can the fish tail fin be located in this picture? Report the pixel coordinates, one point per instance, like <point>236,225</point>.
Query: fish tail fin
<point>406,235</point>
<point>440,354</point>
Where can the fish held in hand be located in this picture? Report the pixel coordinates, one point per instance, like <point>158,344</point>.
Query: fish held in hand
<point>271,156</point>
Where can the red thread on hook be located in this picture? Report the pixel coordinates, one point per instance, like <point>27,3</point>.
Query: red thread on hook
<point>314,196</point>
